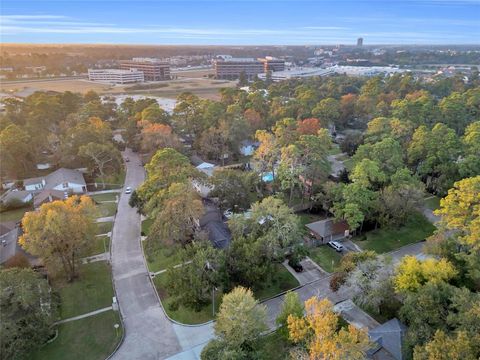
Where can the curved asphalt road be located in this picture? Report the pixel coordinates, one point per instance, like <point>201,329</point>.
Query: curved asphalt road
<point>149,334</point>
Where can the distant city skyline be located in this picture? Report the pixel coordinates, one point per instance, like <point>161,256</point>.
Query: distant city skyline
<point>241,22</point>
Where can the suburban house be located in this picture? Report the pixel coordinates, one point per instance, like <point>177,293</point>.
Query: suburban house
<point>16,197</point>
<point>62,179</point>
<point>387,337</point>
<point>248,147</point>
<point>9,232</point>
<point>328,230</point>
<point>46,196</point>
<point>212,223</point>
<point>203,188</point>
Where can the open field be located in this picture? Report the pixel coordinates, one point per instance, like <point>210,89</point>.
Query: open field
<point>203,87</point>
<point>92,338</point>
<point>74,85</point>
<point>387,239</point>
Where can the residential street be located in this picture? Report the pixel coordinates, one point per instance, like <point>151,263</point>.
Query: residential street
<point>148,332</point>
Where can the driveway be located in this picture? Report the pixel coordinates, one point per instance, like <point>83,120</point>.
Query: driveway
<point>311,271</point>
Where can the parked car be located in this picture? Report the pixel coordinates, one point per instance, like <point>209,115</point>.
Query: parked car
<point>128,190</point>
<point>295,265</point>
<point>336,245</point>
<point>127,160</point>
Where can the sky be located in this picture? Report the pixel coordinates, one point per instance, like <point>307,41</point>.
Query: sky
<point>230,22</point>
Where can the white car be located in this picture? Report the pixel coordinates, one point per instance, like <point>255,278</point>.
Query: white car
<point>228,213</point>
<point>128,190</point>
<point>336,245</point>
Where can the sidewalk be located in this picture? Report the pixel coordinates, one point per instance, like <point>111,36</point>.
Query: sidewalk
<point>92,313</point>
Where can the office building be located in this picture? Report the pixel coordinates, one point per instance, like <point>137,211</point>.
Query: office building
<point>153,69</point>
<point>230,68</point>
<point>360,42</point>
<point>115,76</point>
<point>272,64</point>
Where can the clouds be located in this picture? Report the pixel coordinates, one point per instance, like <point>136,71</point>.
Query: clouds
<point>241,22</point>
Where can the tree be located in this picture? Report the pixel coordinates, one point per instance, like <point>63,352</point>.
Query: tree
<point>461,346</point>
<point>411,273</point>
<point>308,126</point>
<point>27,311</point>
<point>166,167</point>
<point>191,284</point>
<point>371,283</point>
<point>155,114</point>
<point>60,232</point>
<point>318,330</point>
<point>105,158</point>
<point>15,149</point>
<point>176,219</point>
<point>367,173</point>
<point>233,188</point>
<point>469,166</point>
<point>388,154</point>
<point>156,136</point>
<point>267,153</point>
<point>291,306</point>
<point>327,110</point>
<point>240,321</point>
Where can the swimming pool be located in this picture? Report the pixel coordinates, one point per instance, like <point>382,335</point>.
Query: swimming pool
<point>267,177</point>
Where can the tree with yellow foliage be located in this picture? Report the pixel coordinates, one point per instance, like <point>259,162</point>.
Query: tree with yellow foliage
<point>412,273</point>
<point>59,232</point>
<point>460,211</point>
<point>462,346</point>
<point>318,330</point>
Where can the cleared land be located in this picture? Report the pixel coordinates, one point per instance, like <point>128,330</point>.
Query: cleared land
<point>91,338</point>
<point>188,81</point>
<point>384,240</point>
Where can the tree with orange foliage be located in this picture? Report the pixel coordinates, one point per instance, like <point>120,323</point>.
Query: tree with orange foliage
<point>60,232</point>
<point>318,331</point>
<point>157,136</point>
<point>308,126</point>
<point>254,118</point>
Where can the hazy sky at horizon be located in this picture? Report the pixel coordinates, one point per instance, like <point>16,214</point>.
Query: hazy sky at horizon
<point>231,22</point>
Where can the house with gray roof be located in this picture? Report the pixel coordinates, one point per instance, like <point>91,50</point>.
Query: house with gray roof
<point>389,339</point>
<point>328,230</point>
<point>15,196</point>
<point>212,223</point>
<point>69,180</point>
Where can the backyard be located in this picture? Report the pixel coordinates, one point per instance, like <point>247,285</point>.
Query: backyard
<point>387,239</point>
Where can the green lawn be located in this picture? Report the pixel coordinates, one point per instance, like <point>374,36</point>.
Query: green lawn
<point>91,291</point>
<point>106,209</point>
<point>92,338</point>
<point>14,215</point>
<point>384,240</point>
<point>183,314</point>
<point>105,197</point>
<point>334,150</point>
<point>280,281</point>
<point>103,228</point>
<point>325,257</point>
<point>162,258</point>
<point>432,202</point>
<point>98,246</point>
<point>146,224</point>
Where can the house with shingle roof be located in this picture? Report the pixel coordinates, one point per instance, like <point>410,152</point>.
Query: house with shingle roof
<point>328,230</point>
<point>63,179</point>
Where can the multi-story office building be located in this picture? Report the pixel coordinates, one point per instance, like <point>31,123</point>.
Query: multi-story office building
<point>153,69</point>
<point>230,68</point>
<point>360,42</point>
<point>115,76</point>
<point>272,64</point>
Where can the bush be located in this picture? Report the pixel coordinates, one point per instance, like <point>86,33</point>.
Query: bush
<point>18,260</point>
<point>337,280</point>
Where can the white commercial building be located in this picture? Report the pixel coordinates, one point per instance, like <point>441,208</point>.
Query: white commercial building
<point>295,73</point>
<point>366,70</point>
<point>116,76</point>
